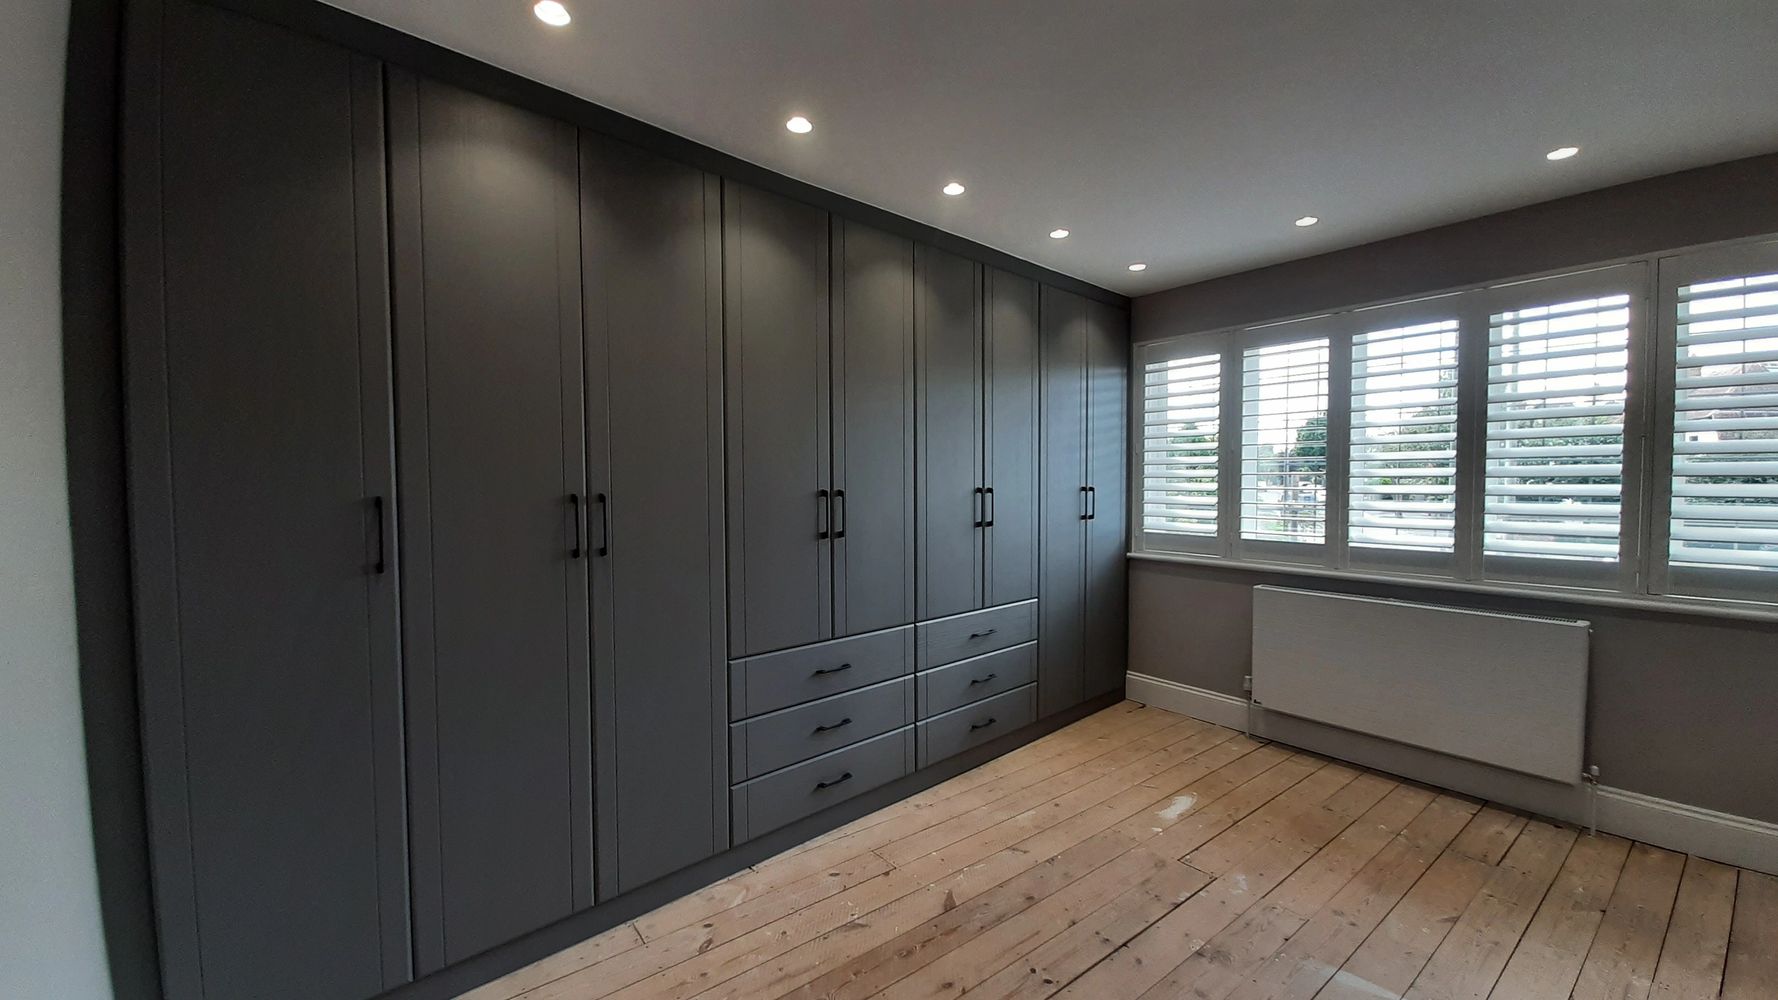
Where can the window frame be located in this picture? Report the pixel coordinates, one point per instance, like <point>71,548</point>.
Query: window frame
<point>1674,272</point>
<point>1640,576</point>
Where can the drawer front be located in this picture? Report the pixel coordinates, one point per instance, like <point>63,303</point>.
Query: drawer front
<point>764,804</point>
<point>947,640</point>
<point>965,682</point>
<point>954,732</point>
<point>768,742</point>
<point>772,681</point>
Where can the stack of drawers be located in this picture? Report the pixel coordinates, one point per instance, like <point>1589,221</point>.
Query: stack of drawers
<point>977,679</point>
<point>816,725</point>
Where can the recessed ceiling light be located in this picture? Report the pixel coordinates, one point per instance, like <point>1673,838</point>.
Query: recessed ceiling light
<point>1138,267</point>
<point>1561,154</point>
<point>953,189</point>
<point>800,125</point>
<point>1308,220</point>
<point>552,13</point>
<point>1058,234</point>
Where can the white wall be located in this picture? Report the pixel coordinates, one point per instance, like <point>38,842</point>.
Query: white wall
<point>50,943</point>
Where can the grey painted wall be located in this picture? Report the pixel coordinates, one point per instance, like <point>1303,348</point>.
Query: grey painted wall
<point>1682,707</point>
<point>50,943</point>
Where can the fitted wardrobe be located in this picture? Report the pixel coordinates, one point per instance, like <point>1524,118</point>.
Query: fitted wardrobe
<point>520,516</point>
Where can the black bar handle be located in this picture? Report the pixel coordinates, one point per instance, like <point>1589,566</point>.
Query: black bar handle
<point>382,563</point>
<point>980,508</point>
<point>1084,516</point>
<point>988,507</point>
<point>983,635</point>
<point>604,524</point>
<point>840,516</point>
<point>1093,500</point>
<point>824,671</point>
<point>823,514</point>
<point>983,725</point>
<point>838,725</point>
<point>819,785</point>
<point>983,680</point>
<point>574,512</point>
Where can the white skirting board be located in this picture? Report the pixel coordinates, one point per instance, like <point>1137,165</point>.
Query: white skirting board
<point>1734,840</point>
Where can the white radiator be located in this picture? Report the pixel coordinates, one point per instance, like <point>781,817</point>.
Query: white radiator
<point>1508,690</point>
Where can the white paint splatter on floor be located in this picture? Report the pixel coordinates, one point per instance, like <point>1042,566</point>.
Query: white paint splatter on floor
<point>1177,807</point>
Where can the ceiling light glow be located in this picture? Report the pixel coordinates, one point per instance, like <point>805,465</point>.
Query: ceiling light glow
<point>552,13</point>
<point>1561,154</point>
<point>1138,267</point>
<point>1058,234</point>
<point>953,189</point>
<point>1307,220</point>
<point>800,125</point>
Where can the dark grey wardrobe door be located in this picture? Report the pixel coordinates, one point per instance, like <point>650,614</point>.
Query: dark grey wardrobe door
<point>1108,376</point>
<point>1063,503</point>
<point>487,308</point>
<point>651,260</point>
<point>775,301</point>
<point>259,407</point>
<point>1011,358</point>
<point>948,324</point>
<point>873,420</point>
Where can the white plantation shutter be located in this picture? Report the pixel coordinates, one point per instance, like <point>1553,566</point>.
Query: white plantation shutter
<point>1284,442</point>
<point>1181,435</point>
<point>1403,468</point>
<point>1724,483</point>
<point>1557,392</point>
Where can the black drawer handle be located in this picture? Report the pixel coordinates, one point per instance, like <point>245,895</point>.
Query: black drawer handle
<point>988,507</point>
<point>983,635</point>
<point>575,550</point>
<point>819,785</point>
<point>824,514</point>
<point>382,563</point>
<point>983,680</point>
<point>983,725</point>
<point>824,671</point>
<point>838,725</point>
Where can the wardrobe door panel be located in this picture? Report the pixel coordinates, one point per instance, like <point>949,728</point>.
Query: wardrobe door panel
<point>650,245</point>
<point>949,327</point>
<point>1012,378</point>
<point>1108,377</point>
<point>775,299</point>
<point>1063,504</point>
<point>873,420</point>
<point>258,402</point>
<point>488,336</point>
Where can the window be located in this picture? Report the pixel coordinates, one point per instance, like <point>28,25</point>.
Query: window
<point>1557,390</point>
<point>1284,442</point>
<point>1724,485</point>
<point>1403,466</point>
<point>1181,417</point>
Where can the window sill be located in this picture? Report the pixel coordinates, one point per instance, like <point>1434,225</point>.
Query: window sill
<point>1700,606</point>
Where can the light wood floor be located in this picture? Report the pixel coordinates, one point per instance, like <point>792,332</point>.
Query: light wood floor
<point>1138,853</point>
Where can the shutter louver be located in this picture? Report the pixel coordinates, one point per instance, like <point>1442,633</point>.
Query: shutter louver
<point>1284,442</point>
<point>1403,470</point>
<point>1725,427</point>
<point>1181,408</point>
<point>1557,378</point>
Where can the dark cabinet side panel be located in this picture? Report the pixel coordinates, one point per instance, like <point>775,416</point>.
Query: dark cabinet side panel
<point>873,420</point>
<point>1108,377</point>
<point>949,330</point>
<point>654,376</point>
<point>488,341</point>
<point>1063,504</point>
<point>258,347</point>
<point>775,302</point>
<point>1012,379</point>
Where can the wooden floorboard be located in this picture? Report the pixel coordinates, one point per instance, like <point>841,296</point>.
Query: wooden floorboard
<point>1141,854</point>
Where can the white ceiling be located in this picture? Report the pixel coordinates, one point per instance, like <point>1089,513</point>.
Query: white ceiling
<point>1184,133</point>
